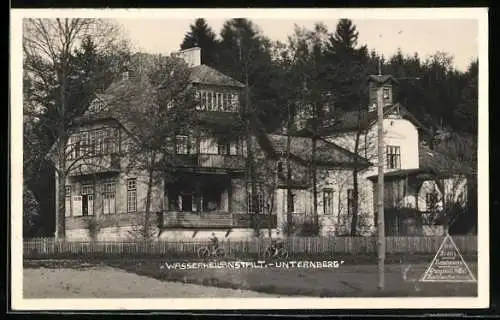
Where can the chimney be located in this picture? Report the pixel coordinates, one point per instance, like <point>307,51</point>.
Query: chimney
<point>192,56</point>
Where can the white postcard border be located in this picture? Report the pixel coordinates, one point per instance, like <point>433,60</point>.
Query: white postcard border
<point>16,145</point>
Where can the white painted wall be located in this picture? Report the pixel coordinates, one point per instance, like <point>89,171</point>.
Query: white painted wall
<point>124,233</point>
<point>397,132</point>
<point>191,56</point>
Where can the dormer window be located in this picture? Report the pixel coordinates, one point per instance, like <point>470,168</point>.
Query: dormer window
<point>97,106</point>
<point>387,95</point>
<point>379,87</point>
<point>387,92</point>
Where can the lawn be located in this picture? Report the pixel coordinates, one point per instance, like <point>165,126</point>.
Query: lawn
<point>351,279</point>
<point>345,281</point>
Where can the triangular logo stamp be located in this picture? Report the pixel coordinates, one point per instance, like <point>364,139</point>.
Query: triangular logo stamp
<point>448,265</point>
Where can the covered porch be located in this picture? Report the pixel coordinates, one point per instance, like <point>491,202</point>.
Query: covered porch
<point>412,202</point>
<point>207,201</point>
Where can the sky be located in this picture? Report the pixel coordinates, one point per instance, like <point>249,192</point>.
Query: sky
<point>458,37</point>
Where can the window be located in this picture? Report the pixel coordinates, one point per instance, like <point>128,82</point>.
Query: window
<point>228,102</point>
<point>181,143</point>
<point>103,141</point>
<point>99,147</point>
<point>393,157</point>
<point>131,195</point>
<point>109,193</point>
<point>92,143</point>
<point>280,167</point>
<point>328,201</point>
<point>210,101</point>
<point>111,141</point>
<point>217,100</point>
<point>234,102</point>
<point>201,97</point>
<point>350,201</point>
<point>87,193</point>
<point>386,93</point>
<point>256,203</point>
<point>223,148</point>
<point>97,106</point>
<point>87,189</point>
<point>240,146</point>
<point>84,144</point>
<point>220,101</point>
<point>431,201</point>
<point>328,108</point>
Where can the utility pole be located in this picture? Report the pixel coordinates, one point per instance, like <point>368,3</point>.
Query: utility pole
<point>380,180</point>
<point>380,187</point>
<point>289,196</point>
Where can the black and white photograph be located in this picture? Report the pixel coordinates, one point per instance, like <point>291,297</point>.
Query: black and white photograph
<point>249,159</point>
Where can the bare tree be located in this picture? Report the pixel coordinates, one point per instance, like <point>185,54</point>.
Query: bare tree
<point>154,105</point>
<point>453,166</point>
<point>62,92</point>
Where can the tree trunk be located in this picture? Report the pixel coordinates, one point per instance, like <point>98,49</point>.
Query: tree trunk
<point>147,213</point>
<point>289,200</point>
<point>250,159</point>
<point>61,184</point>
<point>61,217</point>
<point>355,197</point>
<point>270,216</point>
<point>355,184</point>
<point>315,182</point>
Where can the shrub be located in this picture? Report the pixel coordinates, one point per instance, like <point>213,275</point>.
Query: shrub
<point>93,228</point>
<point>309,228</point>
<point>30,212</point>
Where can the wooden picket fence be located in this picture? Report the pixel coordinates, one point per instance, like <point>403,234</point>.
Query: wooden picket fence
<point>50,248</point>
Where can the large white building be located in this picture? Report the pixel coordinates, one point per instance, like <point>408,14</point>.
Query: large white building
<point>415,176</point>
<point>208,190</point>
<point>211,192</point>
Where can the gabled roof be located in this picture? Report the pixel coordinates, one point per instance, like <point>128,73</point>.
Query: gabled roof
<point>204,74</point>
<point>327,153</point>
<point>348,121</point>
<point>381,79</point>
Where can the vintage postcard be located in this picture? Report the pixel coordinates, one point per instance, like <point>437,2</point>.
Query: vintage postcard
<point>249,159</point>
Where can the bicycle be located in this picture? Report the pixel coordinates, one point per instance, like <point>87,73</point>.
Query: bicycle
<point>271,252</point>
<point>205,252</point>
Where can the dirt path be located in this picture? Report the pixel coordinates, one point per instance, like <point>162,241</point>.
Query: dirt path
<point>105,282</point>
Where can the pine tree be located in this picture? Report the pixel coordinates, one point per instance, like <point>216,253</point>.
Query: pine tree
<point>349,68</point>
<point>202,36</point>
<point>466,112</point>
<point>346,36</point>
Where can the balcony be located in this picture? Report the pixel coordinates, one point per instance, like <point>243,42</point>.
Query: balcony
<point>212,161</point>
<point>94,165</point>
<point>215,220</point>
